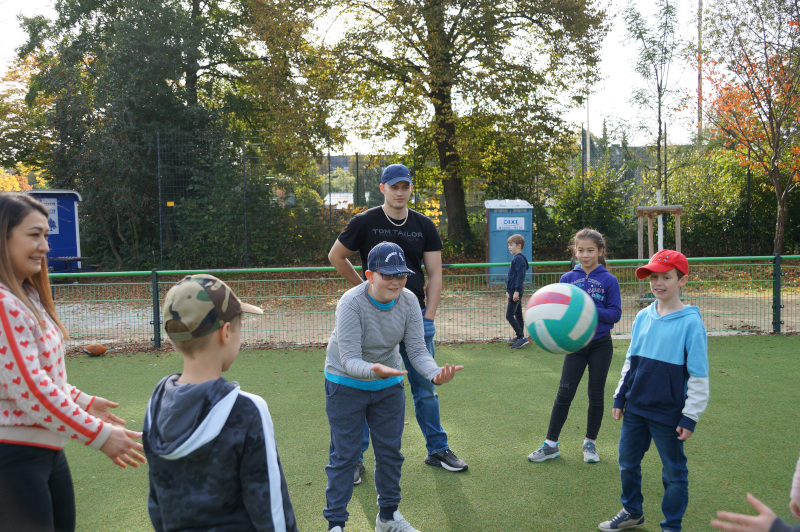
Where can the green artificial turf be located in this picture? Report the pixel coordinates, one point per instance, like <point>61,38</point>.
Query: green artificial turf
<point>495,412</point>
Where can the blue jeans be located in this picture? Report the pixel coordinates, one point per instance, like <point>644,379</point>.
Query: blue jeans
<point>426,406</point>
<point>634,441</point>
<point>348,408</point>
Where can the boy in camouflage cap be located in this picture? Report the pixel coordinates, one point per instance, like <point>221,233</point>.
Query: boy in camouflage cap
<point>211,446</point>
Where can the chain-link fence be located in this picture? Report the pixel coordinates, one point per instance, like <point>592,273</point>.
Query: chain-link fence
<point>225,200</point>
<point>739,295</point>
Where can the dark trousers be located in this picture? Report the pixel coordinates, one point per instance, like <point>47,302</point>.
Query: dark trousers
<point>597,357</point>
<point>36,493</point>
<point>514,316</point>
<point>348,409</point>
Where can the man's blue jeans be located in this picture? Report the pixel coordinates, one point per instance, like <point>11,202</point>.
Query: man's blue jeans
<point>634,441</point>
<point>426,406</point>
<point>348,408</point>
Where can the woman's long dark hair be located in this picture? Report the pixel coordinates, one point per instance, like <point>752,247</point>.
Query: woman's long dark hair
<point>14,207</point>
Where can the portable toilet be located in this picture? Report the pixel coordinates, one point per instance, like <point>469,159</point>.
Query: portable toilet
<point>503,219</point>
<point>65,242</point>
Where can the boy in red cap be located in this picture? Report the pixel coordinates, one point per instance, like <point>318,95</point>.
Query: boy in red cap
<point>662,392</point>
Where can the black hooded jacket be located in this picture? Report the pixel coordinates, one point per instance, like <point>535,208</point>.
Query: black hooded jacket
<point>213,460</point>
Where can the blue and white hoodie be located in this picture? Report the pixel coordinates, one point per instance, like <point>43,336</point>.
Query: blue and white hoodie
<point>665,375</point>
<point>213,460</point>
<point>603,288</point>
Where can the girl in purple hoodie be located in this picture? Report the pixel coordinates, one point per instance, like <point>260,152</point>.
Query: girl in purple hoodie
<point>591,276</point>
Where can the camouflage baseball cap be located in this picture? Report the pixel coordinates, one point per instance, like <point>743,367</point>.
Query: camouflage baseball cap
<point>203,303</point>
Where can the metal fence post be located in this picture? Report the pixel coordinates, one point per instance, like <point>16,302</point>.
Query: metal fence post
<point>776,294</point>
<point>160,203</point>
<point>156,311</point>
<point>244,184</point>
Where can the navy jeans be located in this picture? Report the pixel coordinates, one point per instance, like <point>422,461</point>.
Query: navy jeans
<point>514,315</point>
<point>348,409</point>
<point>36,492</point>
<point>634,441</point>
<point>426,406</point>
<point>597,357</point>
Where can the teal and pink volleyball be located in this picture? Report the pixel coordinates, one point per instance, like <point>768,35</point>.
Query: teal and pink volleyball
<point>561,318</point>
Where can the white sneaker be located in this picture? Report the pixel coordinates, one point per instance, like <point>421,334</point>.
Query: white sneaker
<point>336,529</point>
<point>397,524</point>
<point>545,452</point>
<point>590,452</point>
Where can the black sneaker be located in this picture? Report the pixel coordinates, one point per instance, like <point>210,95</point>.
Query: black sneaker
<point>360,470</point>
<point>521,342</point>
<point>622,521</point>
<point>512,341</point>
<point>447,460</point>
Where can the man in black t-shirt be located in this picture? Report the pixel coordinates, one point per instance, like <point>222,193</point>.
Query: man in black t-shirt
<point>416,234</point>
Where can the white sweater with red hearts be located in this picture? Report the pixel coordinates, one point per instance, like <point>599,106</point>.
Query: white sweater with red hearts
<point>37,405</point>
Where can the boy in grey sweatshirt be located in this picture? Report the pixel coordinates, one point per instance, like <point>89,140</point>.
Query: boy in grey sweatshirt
<point>364,382</point>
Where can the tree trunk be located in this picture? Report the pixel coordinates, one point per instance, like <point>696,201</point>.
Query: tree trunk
<point>658,141</point>
<point>780,222</point>
<point>449,162</point>
<point>111,244</point>
<point>444,120</point>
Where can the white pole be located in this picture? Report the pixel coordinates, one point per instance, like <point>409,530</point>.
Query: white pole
<point>588,137</point>
<point>660,223</point>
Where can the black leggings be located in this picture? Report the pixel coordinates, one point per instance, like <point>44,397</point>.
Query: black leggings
<point>596,355</point>
<point>36,493</point>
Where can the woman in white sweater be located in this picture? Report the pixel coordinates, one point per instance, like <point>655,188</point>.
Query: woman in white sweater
<point>39,409</point>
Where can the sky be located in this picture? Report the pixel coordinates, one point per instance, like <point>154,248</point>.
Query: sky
<point>609,99</point>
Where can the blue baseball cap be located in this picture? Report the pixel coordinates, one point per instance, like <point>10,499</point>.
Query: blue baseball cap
<point>388,258</point>
<point>394,173</point>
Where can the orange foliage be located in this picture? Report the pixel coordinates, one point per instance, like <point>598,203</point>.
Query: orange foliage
<point>755,112</point>
<point>15,182</point>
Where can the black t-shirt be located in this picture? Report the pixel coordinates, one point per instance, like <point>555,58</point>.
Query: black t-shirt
<point>416,236</point>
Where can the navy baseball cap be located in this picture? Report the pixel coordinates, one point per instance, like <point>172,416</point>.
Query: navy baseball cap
<point>388,258</point>
<point>394,173</point>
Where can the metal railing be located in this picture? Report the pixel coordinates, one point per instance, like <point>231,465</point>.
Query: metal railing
<point>123,309</point>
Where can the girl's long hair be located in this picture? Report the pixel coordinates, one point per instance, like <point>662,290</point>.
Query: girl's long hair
<point>14,207</point>
<point>590,234</point>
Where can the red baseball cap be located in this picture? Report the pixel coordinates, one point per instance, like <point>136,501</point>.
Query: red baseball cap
<point>664,261</point>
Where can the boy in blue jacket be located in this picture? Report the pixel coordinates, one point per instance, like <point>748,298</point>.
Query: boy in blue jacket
<point>662,392</point>
<point>515,282</point>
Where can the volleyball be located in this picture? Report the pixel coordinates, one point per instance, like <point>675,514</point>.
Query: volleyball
<point>561,318</point>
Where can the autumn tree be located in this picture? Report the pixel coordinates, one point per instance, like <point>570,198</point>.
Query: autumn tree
<point>279,86</point>
<point>24,136</point>
<point>120,73</point>
<point>722,209</point>
<point>657,46</point>
<point>420,65</point>
<point>756,81</point>
<point>115,75</point>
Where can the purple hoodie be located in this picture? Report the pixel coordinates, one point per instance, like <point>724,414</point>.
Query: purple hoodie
<point>604,290</point>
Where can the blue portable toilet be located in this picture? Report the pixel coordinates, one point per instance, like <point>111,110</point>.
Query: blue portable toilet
<point>65,241</point>
<point>503,219</point>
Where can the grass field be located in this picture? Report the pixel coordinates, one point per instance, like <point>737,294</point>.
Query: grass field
<point>495,412</point>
